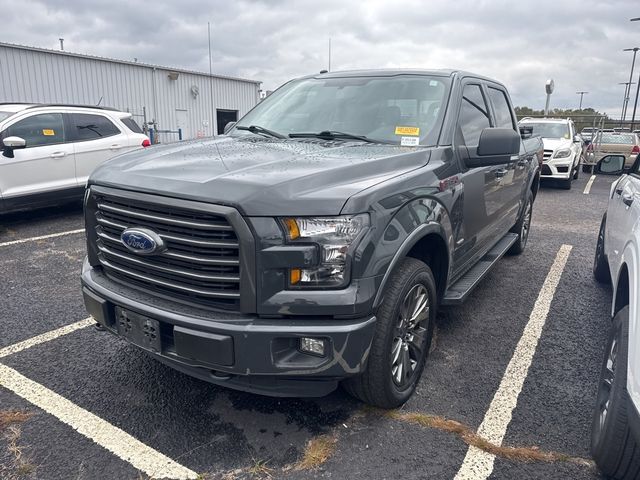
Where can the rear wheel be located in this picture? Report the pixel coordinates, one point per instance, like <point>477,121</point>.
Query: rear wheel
<point>613,445</point>
<point>601,270</point>
<point>522,227</point>
<point>402,338</point>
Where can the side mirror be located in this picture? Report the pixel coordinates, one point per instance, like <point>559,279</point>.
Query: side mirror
<point>12,143</point>
<point>228,127</point>
<point>577,139</point>
<point>611,165</point>
<point>496,146</point>
<point>526,132</point>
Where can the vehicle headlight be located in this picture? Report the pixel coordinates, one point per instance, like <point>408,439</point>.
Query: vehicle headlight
<point>564,153</point>
<point>334,236</point>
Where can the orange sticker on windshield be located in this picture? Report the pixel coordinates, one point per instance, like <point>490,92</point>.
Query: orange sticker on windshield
<point>48,132</point>
<point>407,131</point>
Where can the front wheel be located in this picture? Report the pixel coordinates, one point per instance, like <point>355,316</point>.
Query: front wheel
<point>613,445</point>
<point>600,263</point>
<point>586,168</point>
<point>522,227</point>
<point>402,338</point>
<point>566,184</point>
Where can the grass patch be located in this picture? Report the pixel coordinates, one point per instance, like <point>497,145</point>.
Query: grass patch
<point>471,438</point>
<point>12,417</point>
<point>317,451</point>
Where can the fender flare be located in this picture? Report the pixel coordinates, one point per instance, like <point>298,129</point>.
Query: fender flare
<point>413,238</point>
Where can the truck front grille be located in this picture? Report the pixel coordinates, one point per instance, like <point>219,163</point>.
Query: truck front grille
<point>201,262</point>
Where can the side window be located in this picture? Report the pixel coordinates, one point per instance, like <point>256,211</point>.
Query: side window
<point>92,127</point>
<point>501,108</point>
<point>131,125</point>
<point>38,130</point>
<point>474,115</point>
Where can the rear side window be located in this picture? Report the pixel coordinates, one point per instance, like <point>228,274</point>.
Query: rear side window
<point>131,124</point>
<point>474,115</point>
<point>38,130</point>
<point>501,108</point>
<point>92,127</point>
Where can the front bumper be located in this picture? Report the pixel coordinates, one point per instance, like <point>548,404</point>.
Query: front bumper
<point>238,351</point>
<point>561,168</point>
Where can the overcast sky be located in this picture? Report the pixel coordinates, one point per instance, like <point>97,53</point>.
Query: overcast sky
<point>521,43</point>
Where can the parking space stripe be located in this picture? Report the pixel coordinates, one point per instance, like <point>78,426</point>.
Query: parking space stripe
<point>144,458</point>
<point>477,464</point>
<point>43,237</point>
<point>587,189</point>
<point>45,337</point>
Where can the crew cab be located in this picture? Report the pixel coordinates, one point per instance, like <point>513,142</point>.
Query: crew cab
<point>615,432</point>
<point>48,151</point>
<point>563,148</point>
<point>313,243</point>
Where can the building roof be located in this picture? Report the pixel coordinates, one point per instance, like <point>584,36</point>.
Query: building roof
<point>124,62</point>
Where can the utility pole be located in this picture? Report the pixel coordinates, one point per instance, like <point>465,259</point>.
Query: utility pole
<point>213,116</point>
<point>627,87</point>
<point>582,94</point>
<point>329,69</point>
<point>628,92</point>
<point>635,104</point>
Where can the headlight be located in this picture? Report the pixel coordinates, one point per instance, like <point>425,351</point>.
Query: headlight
<point>334,236</point>
<point>564,153</point>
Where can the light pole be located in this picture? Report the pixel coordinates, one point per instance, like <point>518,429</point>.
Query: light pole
<point>628,91</point>
<point>582,94</point>
<point>627,86</point>
<point>635,104</point>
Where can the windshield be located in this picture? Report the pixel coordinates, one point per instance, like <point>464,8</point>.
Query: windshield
<point>395,109</point>
<point>618,138</point>
<point>4,115</point>
<point>550,130</point>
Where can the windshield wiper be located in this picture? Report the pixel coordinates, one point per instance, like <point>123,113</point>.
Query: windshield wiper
<point>257,129</point>
<point>332,135</point>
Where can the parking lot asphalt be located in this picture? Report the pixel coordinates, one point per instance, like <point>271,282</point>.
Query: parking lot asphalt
<point>220,433</point>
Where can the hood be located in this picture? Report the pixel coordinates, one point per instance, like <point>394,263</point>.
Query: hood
<point>259,176</point>
<point>556,143</point>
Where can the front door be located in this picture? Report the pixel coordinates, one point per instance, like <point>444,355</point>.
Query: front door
<point>182,121</point>
<point>485,187</point>
<point>46,164</point>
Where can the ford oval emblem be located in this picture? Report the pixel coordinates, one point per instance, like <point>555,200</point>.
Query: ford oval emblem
<point>142,241</point>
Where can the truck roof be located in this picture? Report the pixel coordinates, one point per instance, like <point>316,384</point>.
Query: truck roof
<point>544,120</point>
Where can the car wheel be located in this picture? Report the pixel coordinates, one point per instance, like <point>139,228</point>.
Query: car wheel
<point>601,270</point>
<point>566,184</point>
<point>576,174</point>
<point>586,168</point>
<point>522,227</point>
<point>613,445</point>
<point>402,338</point>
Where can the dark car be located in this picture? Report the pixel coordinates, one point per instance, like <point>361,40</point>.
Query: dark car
<point>314,243</point>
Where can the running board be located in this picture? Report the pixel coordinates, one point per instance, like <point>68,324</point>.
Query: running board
<point>457,293</point>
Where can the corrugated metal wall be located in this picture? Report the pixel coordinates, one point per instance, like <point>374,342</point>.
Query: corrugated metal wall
<point>34,75</point>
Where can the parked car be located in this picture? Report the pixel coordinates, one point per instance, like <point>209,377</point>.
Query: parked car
<point>315,241</point>
<point>608,143</point>
<point>615,437</point>
<point>48,151</point>
<point>563,148</point>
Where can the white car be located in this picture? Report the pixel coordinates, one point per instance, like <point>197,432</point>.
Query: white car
<point>615,437</point>
<point>563,147</point>
<point>48,151</point>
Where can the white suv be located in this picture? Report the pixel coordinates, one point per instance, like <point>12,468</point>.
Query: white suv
<point>563,147</point>
<point>615,437</point>
<point>48,151</point>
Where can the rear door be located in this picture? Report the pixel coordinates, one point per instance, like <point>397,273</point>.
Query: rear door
<point>484,187</point>
<point>46,164</point>
<point>96,139</point>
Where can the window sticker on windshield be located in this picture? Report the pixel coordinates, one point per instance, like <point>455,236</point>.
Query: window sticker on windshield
<point>409,141</point>
<point>566,135</point>
<point>48,132</point>
<point>408,131</point>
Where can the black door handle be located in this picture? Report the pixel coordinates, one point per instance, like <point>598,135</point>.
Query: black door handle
<point>627,199</point>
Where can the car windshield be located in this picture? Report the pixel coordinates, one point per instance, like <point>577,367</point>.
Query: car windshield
<point>550,130</point>
<point>391,109</point>
<point>618,138</point>
<point>4,115</point>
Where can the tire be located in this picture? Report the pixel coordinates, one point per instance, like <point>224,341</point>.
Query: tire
<point>576,174</point>
<point>613,445</point>
<point>566,184</point>
<point>522,227</point>
<point>586,168</point>
<point>380,385</point>
<point>601,270</point>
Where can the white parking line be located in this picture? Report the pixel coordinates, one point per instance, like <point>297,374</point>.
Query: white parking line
<point>117,441</point>
<point>587,189</point>
<point>478,464</point>
<point>45,337</point>
<point>43,237</point>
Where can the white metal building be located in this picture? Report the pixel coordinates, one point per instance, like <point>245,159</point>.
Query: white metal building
<point>171,97</point>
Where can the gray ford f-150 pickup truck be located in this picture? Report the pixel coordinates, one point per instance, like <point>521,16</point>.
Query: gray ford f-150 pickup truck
<point>313,243</point>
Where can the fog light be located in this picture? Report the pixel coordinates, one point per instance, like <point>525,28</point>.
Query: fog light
<point>312,345</point>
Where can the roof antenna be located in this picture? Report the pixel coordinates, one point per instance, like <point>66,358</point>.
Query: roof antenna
<point>99,101</point>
